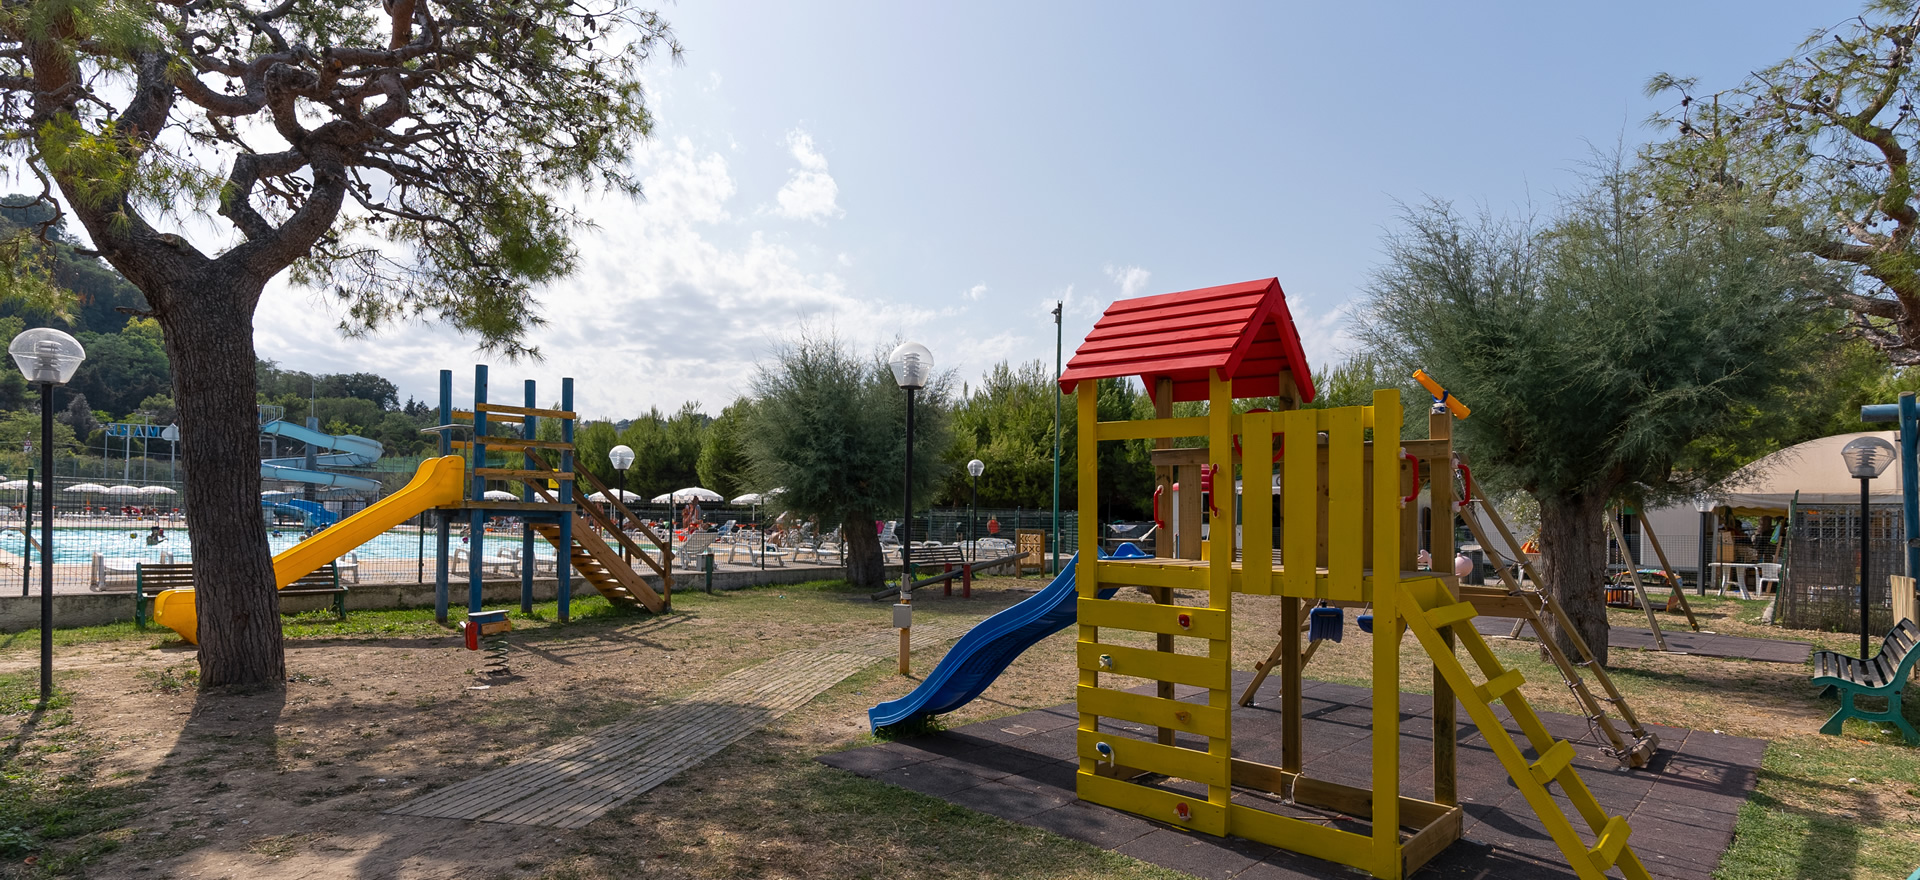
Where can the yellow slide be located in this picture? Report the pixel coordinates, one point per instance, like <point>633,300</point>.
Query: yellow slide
<point>439,482</point>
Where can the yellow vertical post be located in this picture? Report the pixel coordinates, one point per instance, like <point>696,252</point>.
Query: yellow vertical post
<point>1256,503</point>
<point>1386,631</point>
<point>1346,455</point>
<point>1299,533</point>
<point>1087,568</point>
<point>1220,570</point>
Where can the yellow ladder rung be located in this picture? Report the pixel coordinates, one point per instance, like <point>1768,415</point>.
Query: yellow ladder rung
<point>1450,614</point>
<point>1613,839</point>
<point>1553,763</point>
<point>1506,683</point>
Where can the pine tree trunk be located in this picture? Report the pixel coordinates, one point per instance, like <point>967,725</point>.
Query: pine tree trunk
<point>209,337</point>
<point>1573,545</point>
<point>866,565</point>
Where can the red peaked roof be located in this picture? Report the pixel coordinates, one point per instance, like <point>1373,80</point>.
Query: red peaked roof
<point>1243,330</point>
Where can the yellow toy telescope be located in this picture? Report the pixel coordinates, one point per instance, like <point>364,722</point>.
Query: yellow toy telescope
<point>1440,394</point>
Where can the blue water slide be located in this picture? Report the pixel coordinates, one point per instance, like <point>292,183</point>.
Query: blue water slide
<point>346,450</point>
<point>313,513</point>
<point>986,650</point>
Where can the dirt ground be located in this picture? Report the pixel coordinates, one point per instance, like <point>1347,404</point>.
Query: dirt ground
<point>291,783</point>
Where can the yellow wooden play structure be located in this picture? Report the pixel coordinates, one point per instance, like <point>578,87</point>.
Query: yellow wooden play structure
<point>1333,486</point>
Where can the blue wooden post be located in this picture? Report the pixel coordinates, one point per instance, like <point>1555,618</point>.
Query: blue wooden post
<point>476,540</point>
<point>1910,478</point>
<point>564,562</point>
<point>528,430</point>
<point>1907,413</point>
<point>446,516</point>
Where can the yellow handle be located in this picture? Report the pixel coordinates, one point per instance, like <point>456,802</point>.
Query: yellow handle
<point>1439,393</point>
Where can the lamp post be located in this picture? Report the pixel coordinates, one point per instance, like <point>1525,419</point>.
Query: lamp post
<point>48,357</point>
<point>1704,559</point>
<point>912,366</point>
<point>1057,306</point>
<point>1866,458</point>
<point>975,467</point>
<point>621,457</point>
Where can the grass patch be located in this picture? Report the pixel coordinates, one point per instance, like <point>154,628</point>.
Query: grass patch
<point>1829,807</point>
<point>53,809</point>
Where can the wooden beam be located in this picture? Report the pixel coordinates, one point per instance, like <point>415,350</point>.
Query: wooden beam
<point>524,411</point>
<point>1646,529</point>
<point>1639,590</point>
<point>514,443</point>
<point>531,506</point>
<point>522,474</point>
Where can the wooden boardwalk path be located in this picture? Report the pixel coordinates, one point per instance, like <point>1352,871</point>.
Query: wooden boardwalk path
<point>577,780</point>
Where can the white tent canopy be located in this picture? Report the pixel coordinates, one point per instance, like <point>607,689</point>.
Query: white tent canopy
<point>85,487</point>
<point>123,490</point>
<point>498,495</point>
<point>691,493</point>
<point>1808,473</point>
<point>757,497</point>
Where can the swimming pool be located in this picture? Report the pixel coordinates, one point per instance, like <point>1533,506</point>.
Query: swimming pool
<point>77,545</point>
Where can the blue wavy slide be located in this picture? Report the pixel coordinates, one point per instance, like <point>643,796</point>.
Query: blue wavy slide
<point>986,650</point>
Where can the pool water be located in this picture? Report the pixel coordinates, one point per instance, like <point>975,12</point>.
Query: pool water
<point>77,545</point>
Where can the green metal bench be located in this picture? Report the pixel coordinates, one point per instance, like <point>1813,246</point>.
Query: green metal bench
<point>1883,676</point>
<point>150,579</point>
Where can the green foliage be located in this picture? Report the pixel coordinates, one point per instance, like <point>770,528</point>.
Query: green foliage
<point>88,294</point>
<point>124,368</point>
<point>1126,466</point>
<point>829,427</point>
<point>723,464</point>
<point>1007,423</point>
<point>1598,353</point>
<point>19,427</point>
<point>1823,397</point>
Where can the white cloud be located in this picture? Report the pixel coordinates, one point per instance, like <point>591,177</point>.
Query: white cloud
<point>677,298</point>
<point>974,293</point>
<point>810,193</point>
<point>1132,279</point>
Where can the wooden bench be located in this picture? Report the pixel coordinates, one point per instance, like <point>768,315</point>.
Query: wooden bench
<point>150,579</point>
<point>955,563</point>
<point>1883,676</point>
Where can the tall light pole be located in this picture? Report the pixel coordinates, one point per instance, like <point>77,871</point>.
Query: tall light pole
<point>975,467</point>
<point>912,366</point>
<point>1058,304</point>
<point>48,357</point>
<point>1866,458</point>
<point>621,457</point>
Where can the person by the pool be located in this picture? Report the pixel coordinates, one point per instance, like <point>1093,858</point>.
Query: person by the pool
<point>158,535</point>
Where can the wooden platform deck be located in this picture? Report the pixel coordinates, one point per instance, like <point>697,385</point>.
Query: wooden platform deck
<point>573,782</point>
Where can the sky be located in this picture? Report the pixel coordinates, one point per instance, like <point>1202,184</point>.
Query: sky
<point>887,171</point>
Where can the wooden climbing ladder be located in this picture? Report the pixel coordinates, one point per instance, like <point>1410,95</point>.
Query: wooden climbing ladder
<point>1633,751</point>
<point>1433,614</point>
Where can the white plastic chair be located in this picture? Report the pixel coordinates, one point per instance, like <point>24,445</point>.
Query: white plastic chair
<point>1769,574</point>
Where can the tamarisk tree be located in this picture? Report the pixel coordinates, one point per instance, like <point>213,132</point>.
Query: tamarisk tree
<point>1597,352</point>
<point>401,156</point>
